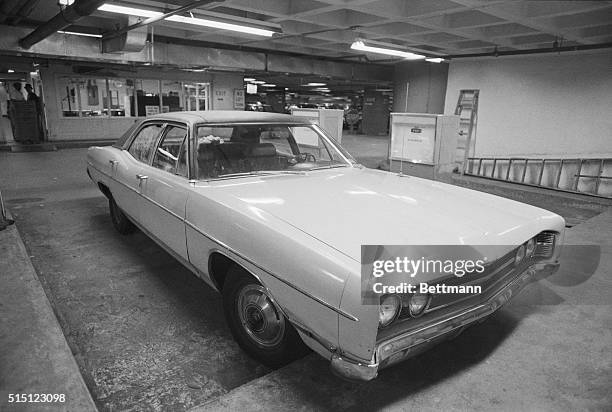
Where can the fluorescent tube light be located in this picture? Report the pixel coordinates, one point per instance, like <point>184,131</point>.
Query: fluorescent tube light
<point>316,84</point>
<point>268,85</point>
<point>359,45</point>
<point>221,25</point>
<point>131,11</point>
<point>75,33</point>
<point>249,79</point>
<point>434,60</point>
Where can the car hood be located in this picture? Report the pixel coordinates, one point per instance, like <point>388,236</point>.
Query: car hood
<point>349,207</point>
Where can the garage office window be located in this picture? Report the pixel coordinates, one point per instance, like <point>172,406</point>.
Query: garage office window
<point>121,97</point>
<point>95,97</point>
<point>83,97</point>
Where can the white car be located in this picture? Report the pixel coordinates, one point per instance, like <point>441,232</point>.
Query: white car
<point>271,212</point>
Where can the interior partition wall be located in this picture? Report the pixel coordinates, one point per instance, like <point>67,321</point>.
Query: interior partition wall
<point>102,106</point>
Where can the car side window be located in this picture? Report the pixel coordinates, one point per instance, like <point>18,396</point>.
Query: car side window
<point>171,154</point>
<point>143,145</point>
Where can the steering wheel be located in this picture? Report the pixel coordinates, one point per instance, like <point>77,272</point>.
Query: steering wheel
<point>306,157</point>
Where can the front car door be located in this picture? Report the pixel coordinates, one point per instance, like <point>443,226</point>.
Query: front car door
<point>165,189</point>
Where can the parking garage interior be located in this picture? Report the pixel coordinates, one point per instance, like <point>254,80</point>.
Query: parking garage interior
<point>509,98</point>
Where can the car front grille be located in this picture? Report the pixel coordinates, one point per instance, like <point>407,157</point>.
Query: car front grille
<point>496,274</point>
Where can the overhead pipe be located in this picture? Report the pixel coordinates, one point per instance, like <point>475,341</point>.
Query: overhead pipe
<point>151,20</point>
<point>557,49</point>
<point>60,21</point>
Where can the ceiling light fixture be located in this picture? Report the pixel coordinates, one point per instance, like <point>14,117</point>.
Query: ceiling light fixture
<point>130,11</point>
<point>360,45</point>
<point>221,25</point>
<point>113,8</point>
<point>268,85</point>
<point>316,84</point>
<point>249,79</point>
<point>76,33</point>
<point>434,59</point>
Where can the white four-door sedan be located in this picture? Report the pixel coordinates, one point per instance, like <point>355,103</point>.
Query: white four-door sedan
<point>271,212</point>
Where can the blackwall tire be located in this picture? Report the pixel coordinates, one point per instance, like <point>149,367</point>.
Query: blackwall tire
<point>256,322</point>
<point>120,221</point>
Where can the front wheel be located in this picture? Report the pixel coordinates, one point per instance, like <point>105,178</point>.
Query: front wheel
<point>257,323</point>
<point>119,219</point>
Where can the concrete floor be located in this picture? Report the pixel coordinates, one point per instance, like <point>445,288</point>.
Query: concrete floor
<point>147,335</point>
<point>144,331</point>
<point>34,355</point>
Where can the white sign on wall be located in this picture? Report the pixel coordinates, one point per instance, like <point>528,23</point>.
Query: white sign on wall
<point>151,110</point>
<point>239,99</point>
<point>221,95</point>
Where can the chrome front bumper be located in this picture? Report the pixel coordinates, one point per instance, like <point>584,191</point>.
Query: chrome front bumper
<point>416,341</point>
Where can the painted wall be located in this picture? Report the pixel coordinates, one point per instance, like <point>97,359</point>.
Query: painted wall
<point>222,90</point>
<point>539,106</point>
<point>426,87</point>
<point>97,128</point>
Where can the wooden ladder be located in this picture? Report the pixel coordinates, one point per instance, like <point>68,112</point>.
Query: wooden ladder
<point>467,110</point>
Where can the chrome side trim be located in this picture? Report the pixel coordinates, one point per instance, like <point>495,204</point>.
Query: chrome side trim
<point>164,208</point>
<point>171,252</point>
<point>274,275</point>
<point>293,319</point>
<point>141,195</point>
<point>228,248</point>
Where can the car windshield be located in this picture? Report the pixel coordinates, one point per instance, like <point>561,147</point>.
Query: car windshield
<point>259,149</point>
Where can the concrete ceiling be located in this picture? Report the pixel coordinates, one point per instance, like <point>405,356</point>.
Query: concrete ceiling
<point>326,28</point>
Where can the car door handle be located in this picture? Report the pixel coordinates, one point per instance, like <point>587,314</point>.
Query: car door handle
<point>141,177</point>
<point>113,162</point>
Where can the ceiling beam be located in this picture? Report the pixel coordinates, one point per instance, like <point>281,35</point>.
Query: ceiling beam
<point>61,20</point>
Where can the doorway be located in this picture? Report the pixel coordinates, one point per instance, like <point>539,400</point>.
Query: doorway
<point>197,96</point>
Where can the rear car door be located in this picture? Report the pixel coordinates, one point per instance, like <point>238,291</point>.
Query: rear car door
<point>165,189</point>
<point>130,169</point>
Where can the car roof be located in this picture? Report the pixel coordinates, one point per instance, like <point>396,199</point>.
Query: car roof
<point>229,116</point>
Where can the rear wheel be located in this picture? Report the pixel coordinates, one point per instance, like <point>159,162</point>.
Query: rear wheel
<point>119,219</point>
<point>257,323</point>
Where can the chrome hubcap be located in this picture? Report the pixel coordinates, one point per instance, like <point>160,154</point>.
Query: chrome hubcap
<point>259,317</point>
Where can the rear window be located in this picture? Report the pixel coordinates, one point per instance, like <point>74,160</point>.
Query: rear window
<point>120,144</point>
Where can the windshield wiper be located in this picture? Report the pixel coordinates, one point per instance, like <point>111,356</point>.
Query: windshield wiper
<point>328,167</point>
<point>264,173</point>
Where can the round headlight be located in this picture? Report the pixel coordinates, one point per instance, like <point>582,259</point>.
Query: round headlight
<point>530,247</point>
<point>388,309</point>
<point>520,255</point>
<point>418,303</point>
